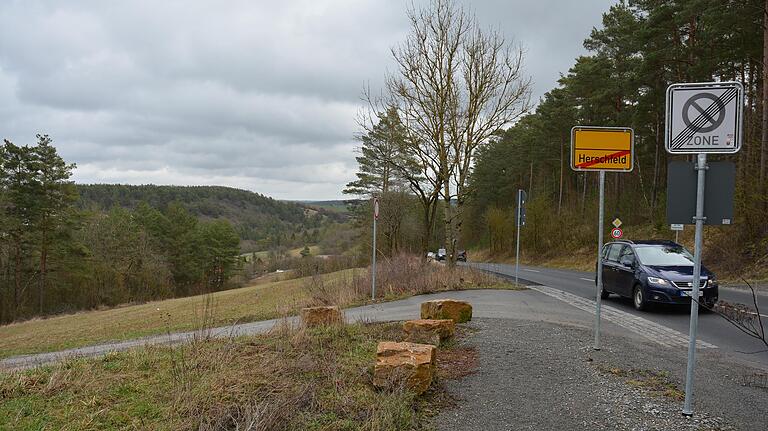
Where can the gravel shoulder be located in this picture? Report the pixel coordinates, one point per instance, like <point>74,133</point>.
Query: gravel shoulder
<point>536,375</point>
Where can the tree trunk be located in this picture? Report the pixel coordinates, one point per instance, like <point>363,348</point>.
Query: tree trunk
<point>450,243</point>
<point>560,195</point>
<point>655,187</point>
<point>427,226</point>
<point>17,279</point>
<point>530,183</point>
<point>43,269</point>
<point>584,192</point>
<point>764,123</point>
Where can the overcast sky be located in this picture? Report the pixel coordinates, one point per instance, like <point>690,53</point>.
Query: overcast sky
<point>255,94</point>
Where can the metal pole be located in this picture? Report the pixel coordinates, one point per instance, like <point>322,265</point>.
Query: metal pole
<point>676,233</point>
<point>701,168</point>
<point>517,248</point>
<point>373,263</point>
<point>598,287</point>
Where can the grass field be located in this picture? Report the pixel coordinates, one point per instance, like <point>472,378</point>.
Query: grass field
<point>291,379</point>
<point>261,301</point>
<point>296,252</point>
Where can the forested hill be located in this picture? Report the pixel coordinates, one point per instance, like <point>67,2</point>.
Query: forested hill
<point>259,220</point>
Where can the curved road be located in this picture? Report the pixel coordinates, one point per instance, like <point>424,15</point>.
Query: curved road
<point>712,328</point>
<point>561,297</point>
<point>487,303</point>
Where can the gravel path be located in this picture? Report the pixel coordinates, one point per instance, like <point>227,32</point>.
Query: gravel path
<point>543,375</point>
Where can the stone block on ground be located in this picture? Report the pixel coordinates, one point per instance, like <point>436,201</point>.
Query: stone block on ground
<point>409,363</point>
<point>458,311</point>
<point>318,316</point>
<point>429,331</point>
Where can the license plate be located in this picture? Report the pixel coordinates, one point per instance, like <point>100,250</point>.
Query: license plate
<point>687,293</point>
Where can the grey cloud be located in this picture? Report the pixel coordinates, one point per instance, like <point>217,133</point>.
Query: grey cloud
<point>254,94</point>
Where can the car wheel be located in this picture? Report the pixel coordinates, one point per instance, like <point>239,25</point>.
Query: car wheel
<point>604,294</point>
<point>638,299</point>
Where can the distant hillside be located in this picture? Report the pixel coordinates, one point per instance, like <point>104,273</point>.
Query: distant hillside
<point>337,206</point>
<point>260,220</point>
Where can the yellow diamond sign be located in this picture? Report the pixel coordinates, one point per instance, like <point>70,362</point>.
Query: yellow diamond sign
<point>616,222</point>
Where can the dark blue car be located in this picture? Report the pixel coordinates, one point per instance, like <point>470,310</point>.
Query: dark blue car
<point>653,272</point>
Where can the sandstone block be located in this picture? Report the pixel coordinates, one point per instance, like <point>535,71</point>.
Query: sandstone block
<point>429,331</point>
<point>317,316</point>
<point>409,363</point>
<point>458,311</point>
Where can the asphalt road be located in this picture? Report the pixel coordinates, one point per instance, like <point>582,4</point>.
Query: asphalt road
<point>712,328</point>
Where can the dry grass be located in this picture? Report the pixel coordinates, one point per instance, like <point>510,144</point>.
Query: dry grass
<point>258,302</point>
<point>288,380</point>
<point>582,259</point>
<point>397,278</point>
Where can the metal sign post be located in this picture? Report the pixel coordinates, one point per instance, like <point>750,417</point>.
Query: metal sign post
<point>677,228</point>
<point>599,285</point>
<point>701,168</point>
<point>373,259</point>
<point>602,149</point>
<point>520,222</point>
<point>701,118</point>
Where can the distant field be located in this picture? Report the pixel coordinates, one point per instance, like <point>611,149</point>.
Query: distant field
<point>259,302</point>
<point>333,206</point>
<point>296,252</point>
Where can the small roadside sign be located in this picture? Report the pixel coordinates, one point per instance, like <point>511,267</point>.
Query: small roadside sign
<point>617,233</point>
<point>376,208</point>
<point>704,117</point>
<point>677,226</point>
<point>602,148</point>
<point>616,222</point>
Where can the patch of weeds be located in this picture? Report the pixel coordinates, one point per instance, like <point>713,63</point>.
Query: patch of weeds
<point>657,383</point>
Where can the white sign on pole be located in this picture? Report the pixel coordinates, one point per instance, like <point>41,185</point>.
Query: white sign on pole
<point>701,118</point>
<point>677,226</point>
<point>704,117</point>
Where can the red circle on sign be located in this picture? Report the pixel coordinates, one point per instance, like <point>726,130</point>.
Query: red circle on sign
<point>616,233</point>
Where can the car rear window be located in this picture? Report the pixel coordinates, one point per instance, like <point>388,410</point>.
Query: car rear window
<point>664,255</point>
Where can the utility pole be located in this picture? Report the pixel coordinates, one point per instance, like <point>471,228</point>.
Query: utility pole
<point>373,259</point>
<point>519,222</point>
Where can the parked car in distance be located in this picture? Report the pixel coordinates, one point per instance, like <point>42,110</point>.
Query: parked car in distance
<point>430,255</point>
<point>461,256</point>
<point>441,254</point>
<point>654,272</point>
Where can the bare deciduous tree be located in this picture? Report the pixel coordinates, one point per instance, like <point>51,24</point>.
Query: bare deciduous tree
<point>456,85</point>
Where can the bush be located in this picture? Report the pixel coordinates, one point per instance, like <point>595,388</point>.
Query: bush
<point>401,275</point>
